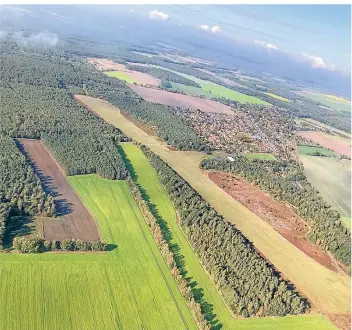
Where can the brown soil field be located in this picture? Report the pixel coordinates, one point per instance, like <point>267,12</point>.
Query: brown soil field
<point>180,100</point>
<point>338,144</point>
<point>74,220</point>
<point>103,64</point>
<point>279,215</point>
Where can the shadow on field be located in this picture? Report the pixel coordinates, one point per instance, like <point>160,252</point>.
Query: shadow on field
<point>207,309</point>
<point>62,206</point>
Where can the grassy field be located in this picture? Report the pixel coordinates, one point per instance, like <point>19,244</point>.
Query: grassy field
<point>260,155</point>
<point>147,178</point>
<point>195,91</point>
<point>329,291</point>
<point>277,97</point>
<point>122,76</point>
<point>319,125</point>
<point>336,104</point>
<point>336,98</point>
<point>332,179</point>
<point>346,221</point>
<point>309,150</point>
<point>127,288</point>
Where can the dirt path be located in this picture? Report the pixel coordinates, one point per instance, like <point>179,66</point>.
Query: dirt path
<point>277,214</point>
<point>327,290</point>
<point>75,221</point>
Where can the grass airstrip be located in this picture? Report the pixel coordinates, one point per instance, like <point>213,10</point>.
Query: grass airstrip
<point>129,287</point>
<point>328,290</point>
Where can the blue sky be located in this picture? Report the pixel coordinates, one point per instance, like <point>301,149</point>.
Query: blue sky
<point>319,34</point>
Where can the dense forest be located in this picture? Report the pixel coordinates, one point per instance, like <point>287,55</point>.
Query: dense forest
<point>20,189</point>
<point>163,74</point>
<point>247,282</point>
<point>286,182</point>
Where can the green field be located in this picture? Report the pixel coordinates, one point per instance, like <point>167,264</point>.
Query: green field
<point>195,91</point>
<point>344,106</point>
<point>259,155</point>
<point>332,179</point>
<point>122,76</point>
<point>309,150</point>
<point>346,221</point>
<point>129,287</point>
<point>147,178</point>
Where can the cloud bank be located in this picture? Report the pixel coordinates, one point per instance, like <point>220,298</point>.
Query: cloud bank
<point>214,29</point>
<point>41,38</point>
<point>266,45</point>
<point>158,15</point>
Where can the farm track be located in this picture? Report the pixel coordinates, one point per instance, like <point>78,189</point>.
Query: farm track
<point>75,221</point>
<point>328,291</point>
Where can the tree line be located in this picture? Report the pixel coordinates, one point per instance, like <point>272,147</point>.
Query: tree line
<point>249,285</point>
<point>286,182</point>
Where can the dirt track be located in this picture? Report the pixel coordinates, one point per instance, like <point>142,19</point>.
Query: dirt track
<point>75,220</point>
<point>277,214</point>
<point>180,100</point>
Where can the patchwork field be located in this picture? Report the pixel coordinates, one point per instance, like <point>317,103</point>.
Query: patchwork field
<point>277,97</point>
<point>147,178</point>
<point>332,179</point>
<point>261,156</point>
<point>331,101</point>
<point>309,150</point>
<point>328,291</point>
<point>75,220</point>
<point>131,77</point>
<point>336,143</point>
<point>179,100</point>
<point>122,76</point>
<point>127,288</point>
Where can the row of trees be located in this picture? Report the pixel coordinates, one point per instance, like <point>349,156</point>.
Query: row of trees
<point>28,244</point>
<point>20,189</point>
<point>285,181</point>
<point>163,74</point>
<point>169,257</point>
<point>249,285</point>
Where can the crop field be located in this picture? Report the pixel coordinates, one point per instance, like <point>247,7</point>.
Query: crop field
<point>122,76</point>
<point>147,178</point>
<point>332,179</point>
<point>196,91</point>
<point>179,100</point>
<point>309,150</point>
<point>129,287</point>
<point>260,155</point>
<point>277,97</point>
<point>327,290</point>
<point>330,101</point>
<point>336,143</point>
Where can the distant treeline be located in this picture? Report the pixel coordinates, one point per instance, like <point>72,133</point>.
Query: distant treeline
<point>20,189</point>
<point>249,285</point>
<point>287,182</point>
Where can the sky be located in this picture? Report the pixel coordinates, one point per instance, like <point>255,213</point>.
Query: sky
<point>318,34</point>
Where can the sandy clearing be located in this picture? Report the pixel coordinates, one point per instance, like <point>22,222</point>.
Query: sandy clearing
<point>180,100</point>
<point>335,143</point>
<point>75,220</point>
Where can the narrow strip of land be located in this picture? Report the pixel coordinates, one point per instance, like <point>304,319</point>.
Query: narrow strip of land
<point>328,291</point>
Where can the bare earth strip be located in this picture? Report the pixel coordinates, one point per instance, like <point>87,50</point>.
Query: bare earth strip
<point>335,143</point>
<point>75,222</point>
<point>180,100</point>
<point>327,290</point>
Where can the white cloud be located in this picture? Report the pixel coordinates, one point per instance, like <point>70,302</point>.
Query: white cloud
<point>132,10</point>
<point>215,29</point>
<point>266,45</point>
<point>154,14</point>
<point>3,34</point>
<point>43,38</point>
<point>316,62</point>
<point>204,27</point>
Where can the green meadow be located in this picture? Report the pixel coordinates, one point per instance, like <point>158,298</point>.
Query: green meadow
<point>309,150</point>
<point>129,287</point>
<point>259,155</point>
<point>336,104</point>
<point>146,177</point>
<point>122,76</point>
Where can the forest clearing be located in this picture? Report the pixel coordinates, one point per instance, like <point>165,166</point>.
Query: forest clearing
<point>74,222</point>
<point>95,290</point>
<point>328,291</point>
